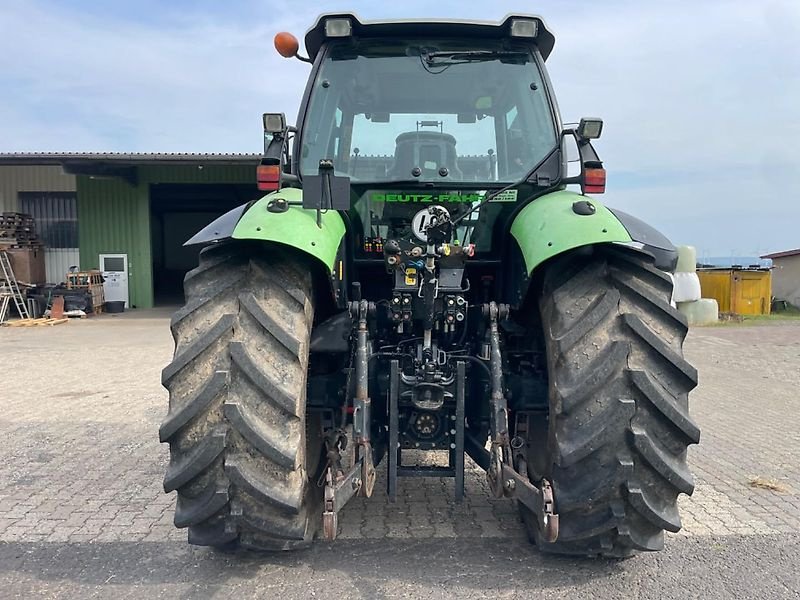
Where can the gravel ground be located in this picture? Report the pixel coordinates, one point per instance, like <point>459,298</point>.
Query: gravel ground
<point>82,513</point>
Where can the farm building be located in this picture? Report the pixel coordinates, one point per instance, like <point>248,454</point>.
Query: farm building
<point>130,211</point>
<point>786,276</point>
<point>740,291</point>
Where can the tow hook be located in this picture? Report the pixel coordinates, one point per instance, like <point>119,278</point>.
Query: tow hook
<point>549,520</point>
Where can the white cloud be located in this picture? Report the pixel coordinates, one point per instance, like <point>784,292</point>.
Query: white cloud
<point>198,86</point>
<point>699,99</point>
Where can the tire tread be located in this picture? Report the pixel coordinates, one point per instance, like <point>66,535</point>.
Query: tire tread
<point>619,415</point>
<point>238,446</point>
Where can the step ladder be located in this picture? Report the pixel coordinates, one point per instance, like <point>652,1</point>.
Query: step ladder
<point>11,290</point>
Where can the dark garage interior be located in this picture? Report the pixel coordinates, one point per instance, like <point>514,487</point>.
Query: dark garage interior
<point>177,212</point>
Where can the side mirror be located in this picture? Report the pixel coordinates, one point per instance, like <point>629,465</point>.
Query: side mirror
<point>589,129</point>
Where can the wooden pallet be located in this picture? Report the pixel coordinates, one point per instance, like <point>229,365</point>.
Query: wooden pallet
<point>8,219</point>
<point>10,244</point>
<point>36,322</point>
<point>19,236</point>
<point>18,230</point>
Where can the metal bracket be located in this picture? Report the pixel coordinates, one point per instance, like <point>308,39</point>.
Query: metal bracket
<point>539,500</point>
<point>362,404</point>
<point>337,494</point>
<point>504,480</point>
<point>368,473</point>
<point>498,406</point>
<point>515,485</point>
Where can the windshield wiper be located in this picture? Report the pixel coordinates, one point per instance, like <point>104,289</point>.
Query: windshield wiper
<point>454,57</point>
<point>489,197</point>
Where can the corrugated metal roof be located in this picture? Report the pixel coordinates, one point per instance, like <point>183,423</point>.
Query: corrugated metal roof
<point>131,158</point>
<point>783,254</point>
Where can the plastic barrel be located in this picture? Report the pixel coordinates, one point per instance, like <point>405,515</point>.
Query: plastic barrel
<point>115,306</point>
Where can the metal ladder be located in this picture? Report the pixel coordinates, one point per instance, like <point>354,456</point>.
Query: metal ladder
<point>11,283</point>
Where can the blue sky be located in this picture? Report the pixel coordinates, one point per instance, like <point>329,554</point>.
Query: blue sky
<point>701,100</point>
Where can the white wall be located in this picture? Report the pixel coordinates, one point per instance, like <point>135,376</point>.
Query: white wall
<point>786,279</point>
<point>57,262</point>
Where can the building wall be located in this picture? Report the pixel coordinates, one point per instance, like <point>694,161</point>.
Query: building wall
<point>15,179</point>
<point>786,279</point>
<point>716,284</point>
<point>114,217</point>
<point>193,174</point>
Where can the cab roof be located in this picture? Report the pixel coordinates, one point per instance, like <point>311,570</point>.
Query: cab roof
<point>544,39</point>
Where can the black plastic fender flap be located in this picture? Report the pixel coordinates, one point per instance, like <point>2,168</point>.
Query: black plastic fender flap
<point>653,241</point>
<point>219,229</point>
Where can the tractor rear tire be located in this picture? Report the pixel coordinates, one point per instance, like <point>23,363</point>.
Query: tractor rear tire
<point>243,458</point>
<point>619,425</point>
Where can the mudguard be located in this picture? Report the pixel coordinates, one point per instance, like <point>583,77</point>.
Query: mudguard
<point>563,220</point>
<point>650,239</point>
<point>295,226</point>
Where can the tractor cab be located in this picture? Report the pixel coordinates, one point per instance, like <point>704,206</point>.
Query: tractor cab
<point>415,117</point>
<point>401,116</point>
<point>415,107</point>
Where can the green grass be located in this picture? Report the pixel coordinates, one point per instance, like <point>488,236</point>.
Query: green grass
<point>792,314</point>
<point>781,316</point>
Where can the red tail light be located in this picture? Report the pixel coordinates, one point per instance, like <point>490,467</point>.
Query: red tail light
<point>268,177</point>
<point>594,181</point>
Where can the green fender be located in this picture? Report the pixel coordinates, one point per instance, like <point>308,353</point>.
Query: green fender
<point>549,226</point>
<point>297,227</point>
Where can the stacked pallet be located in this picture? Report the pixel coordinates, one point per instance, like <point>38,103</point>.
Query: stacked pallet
<point>17,230</point>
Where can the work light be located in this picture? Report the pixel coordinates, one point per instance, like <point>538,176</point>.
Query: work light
<point>523,28</point>
<point>590,129</point>
<point>338,28</point>
<point>274,122</point>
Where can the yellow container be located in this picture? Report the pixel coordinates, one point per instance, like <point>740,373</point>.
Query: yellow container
<point>738,291</point>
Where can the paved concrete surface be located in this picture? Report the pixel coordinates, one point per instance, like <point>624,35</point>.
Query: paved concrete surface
<point>82,513</point>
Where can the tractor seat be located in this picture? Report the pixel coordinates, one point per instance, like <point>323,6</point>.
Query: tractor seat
<point>428,150</point>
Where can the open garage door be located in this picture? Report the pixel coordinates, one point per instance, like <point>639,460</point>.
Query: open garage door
<point>177,212</point>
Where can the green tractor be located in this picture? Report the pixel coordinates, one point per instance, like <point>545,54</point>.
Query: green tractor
<point>419,282</point>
